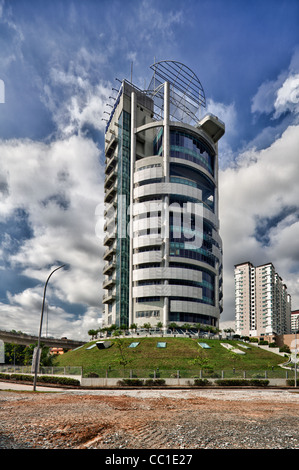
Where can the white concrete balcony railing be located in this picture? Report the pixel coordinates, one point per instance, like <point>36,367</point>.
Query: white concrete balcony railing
<point>147,257</point>
<point>146,223</point>
<point>110,193</point>
<point>111,175</point>
<point>109,282</point>
<point>167,290</point>
<point>109,267</point>
<point>193,307</point>
<point>166,273</point>
<point>109,297</point>
<point>109,238</point>
<point>148,173</point>
<point>147,240</point>
<point>110,252</point>
<point>167,188</point>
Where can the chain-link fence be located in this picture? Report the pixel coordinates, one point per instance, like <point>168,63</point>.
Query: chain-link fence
<point>196,373</point>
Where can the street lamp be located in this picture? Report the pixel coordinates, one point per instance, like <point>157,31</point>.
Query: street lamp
<point>40,328</point>
<point>296,328</point>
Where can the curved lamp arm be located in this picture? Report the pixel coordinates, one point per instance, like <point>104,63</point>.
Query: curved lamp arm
<point>41,325</point>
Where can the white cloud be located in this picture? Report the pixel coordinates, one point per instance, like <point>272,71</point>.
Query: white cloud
<point>58,185</point>
<point>227,114</point>
<point>280,95</point>
<point>74,101</point>
<point>262,186</point>
<point>288,96</point>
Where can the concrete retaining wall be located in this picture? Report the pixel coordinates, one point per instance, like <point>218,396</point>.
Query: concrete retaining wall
<point>173,382</point>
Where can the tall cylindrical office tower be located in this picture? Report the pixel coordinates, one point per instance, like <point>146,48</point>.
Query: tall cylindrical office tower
<point>163,258</point>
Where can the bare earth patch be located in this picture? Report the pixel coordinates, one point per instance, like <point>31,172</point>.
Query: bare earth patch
<point>150,419</point>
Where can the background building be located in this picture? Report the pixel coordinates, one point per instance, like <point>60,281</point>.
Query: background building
<point>262,303</point>
<point>163,250</point>
<point>295,320</point>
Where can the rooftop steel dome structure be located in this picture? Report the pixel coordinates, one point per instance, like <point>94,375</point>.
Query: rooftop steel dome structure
<point>186,92</point>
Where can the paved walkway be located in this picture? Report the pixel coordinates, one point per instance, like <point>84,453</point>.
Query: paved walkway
<point>29,387</point>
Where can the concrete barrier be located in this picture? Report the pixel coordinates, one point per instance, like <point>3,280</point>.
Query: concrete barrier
<point>103,382</point>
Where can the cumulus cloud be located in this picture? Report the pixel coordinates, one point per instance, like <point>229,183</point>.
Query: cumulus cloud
<point>259,208</point>
<point>58,186</point>
<point>287,98</point>
<point>227,114</point>
<point>75,102</point>
<point>281,95</point>
<point>259,212</point>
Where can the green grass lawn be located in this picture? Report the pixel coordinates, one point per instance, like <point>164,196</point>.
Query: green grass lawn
<point>179,354</point>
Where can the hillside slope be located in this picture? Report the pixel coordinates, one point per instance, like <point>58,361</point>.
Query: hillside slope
<point>178,354</point>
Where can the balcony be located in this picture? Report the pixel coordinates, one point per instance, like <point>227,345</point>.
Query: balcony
<point>111,145</point>
<point>109,297</point>
<point>111,177</point>
<point>110,237</point>
<point>108,255</point>
<point>110,193</point>
<point>109,267</point>
<point>109,282</point>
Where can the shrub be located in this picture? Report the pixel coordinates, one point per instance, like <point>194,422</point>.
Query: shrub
<point>22,377</point>
<point>202,382</point>
<point>155,382</point>
<point>291,382</point>
<point>5,376</point>
<point>58,380</point>
<point>44,379</point>
<point>263,342</point>
<point>242,382</point>
<point>131,382</point>
<point>285,348</point>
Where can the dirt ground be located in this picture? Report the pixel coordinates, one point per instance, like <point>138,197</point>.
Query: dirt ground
<point>150,419</point>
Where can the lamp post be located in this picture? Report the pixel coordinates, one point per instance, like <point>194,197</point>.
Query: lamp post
<point>296,328</point>
<point>40,328</point>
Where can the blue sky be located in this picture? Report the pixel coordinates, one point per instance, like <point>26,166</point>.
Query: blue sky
<point>59,61</point>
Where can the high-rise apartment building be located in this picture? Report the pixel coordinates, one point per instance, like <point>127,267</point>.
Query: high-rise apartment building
<point>262,303</point>
<point>295,320</point>
<point>163,258</point>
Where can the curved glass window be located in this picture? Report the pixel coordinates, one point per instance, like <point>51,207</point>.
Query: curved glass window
<point>199,254</point>
<point>191,177</point>
<point>188,147</point>
<point>192,318</point>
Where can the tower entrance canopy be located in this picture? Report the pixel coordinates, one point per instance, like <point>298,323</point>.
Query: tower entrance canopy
<point>187,96</point>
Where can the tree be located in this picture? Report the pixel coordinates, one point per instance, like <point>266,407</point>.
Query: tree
<point>201,360</point>
<point>15,353</point>
<point>93,333</point>
<point>123,359</point>
<point>172,326</point>
<point>46,360</point>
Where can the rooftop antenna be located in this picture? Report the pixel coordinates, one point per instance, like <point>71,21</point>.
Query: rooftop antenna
<point>131,72</point>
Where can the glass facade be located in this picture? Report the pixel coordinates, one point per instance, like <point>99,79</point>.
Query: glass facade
<point>188,147</point>
<point>173,267</point>
<point>123,201</point>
